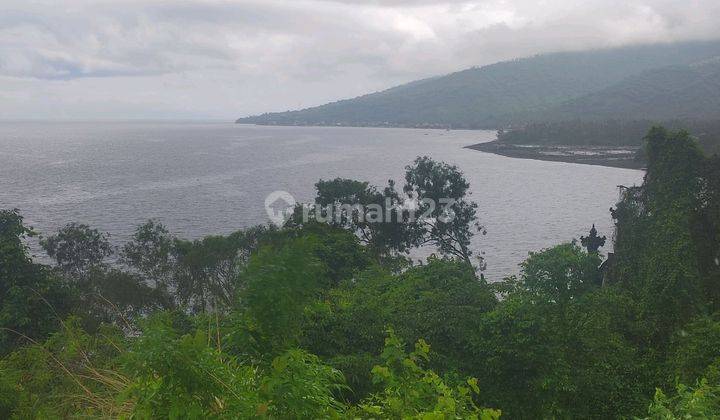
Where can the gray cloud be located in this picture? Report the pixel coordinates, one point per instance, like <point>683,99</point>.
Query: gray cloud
<point>228,58</point>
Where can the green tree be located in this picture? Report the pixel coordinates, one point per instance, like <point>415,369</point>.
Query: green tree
<point>561,273</point>
<point>103,293</point>
<point>31,298</point>
<point>694,351</point>
<point>376,216</point>
<point>300,386</point>
<point>150,253</point>
<point>281,282</point>
<point>183,376</point>
<point>699,402</point>
<point>447,217</point>
<point>656,256</point>
<point>339,250</point>
<point>565,346</point>
<point>78,248</point>
<point>442,302</point>
<point>412,392</point>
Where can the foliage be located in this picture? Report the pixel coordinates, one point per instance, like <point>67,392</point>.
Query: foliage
<point>700,402</point>
<point>281,282</point>
<point>288,323</point>
<point>376,216</point>
<point>694,350</point>
<point>31,298</point>
<point>203,274</point>
<point>299,386</point>
<point>411,392</point>
<point>183,376</point>
<point>77,248</point>
<point>565,347</point>
<point>435,210</point>
<point>441,193</point>
<point>70,374</point>
<point>561,273</point>
<point>103,293</point>
<point>150,253</point>
<point>166,374</point>
<point>441,302</point>
<point>656,255</point>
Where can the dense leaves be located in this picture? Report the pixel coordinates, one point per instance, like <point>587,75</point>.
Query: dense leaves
<point>31,298</point>
<point>310,320</point>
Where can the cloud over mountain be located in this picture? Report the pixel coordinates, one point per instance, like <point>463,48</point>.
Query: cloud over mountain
<point>223,58</point>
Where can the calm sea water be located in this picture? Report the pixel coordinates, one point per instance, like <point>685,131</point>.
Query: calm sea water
<point>213,178</point>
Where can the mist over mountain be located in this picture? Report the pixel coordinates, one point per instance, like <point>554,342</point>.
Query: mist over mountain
<point>675,80</point>
<point>674,92</point>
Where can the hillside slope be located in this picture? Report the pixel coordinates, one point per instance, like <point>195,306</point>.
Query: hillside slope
<point>497,94</point>
<point>674,92</point>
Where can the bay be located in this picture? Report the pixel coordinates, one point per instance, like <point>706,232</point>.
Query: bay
<point>202,178</point>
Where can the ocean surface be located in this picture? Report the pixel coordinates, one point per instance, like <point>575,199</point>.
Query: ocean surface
<point>212,178</point>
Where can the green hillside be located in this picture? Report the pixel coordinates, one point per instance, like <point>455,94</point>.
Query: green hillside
<point>508,92</point>
<point>682,92</point>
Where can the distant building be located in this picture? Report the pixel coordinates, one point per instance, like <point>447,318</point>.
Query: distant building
<point>592,242</point>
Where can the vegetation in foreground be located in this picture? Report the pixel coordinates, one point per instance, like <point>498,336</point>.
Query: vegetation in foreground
<point>332,320</point>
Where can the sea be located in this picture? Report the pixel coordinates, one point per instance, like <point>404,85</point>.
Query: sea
<point>212,177</point>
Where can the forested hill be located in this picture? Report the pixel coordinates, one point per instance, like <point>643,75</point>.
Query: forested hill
<point>673,92</point>
<point>523,90</point>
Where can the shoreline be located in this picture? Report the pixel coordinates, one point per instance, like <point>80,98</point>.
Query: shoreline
<point>614,157</point>
<point>426,126</point>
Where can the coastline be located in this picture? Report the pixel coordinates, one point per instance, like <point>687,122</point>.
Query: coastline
<point>616,157</point>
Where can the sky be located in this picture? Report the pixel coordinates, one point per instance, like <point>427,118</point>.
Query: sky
<point>205,59</point>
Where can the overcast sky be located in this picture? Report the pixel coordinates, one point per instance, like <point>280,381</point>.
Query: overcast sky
<point>81,59</point>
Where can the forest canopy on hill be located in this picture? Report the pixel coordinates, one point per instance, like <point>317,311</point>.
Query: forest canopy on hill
<point>332,320</point>
<point>645,82</point>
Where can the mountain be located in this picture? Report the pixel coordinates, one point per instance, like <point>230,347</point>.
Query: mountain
<point>514,91</point>
<point>673,92</point>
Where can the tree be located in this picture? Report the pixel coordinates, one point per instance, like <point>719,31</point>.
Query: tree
<point>207,272</point>
<point>561,273</point>
<point>150,252</point>
<point>434,210</point>
<point>104,294</point>
<point>656,256</point>
<point>281,282</point>
<point>183,376</point>
<point>706,232</point>
<point>77,248</point>
<point>440,192</point>
<point>411,392</point>
<point>694,351</point>
<point>31,298</point>
<point>441,302</point>
<point>376,216</point>
<point>200,275</point>
<point>300,386</point>
<point>339,250</point>
<point>699,402</point>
